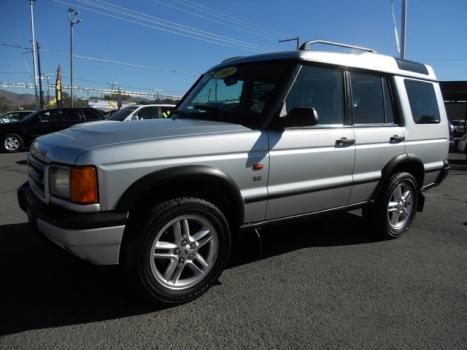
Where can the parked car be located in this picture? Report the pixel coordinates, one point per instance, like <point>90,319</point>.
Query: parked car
<point>459,127</point>
<point>142,112</point>
<point>256,141</point>
<point>16,135</point>
<point>14,116</point>
<point>462,144</point>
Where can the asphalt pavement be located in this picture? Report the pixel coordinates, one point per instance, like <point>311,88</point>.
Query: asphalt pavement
<point>323,283</point>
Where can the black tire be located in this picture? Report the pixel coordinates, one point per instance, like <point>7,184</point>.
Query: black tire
<point>147,228</point>
<point>379,216</point>
<point>12,143</point>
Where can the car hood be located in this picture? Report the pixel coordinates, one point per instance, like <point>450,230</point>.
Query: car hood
<point>65,146</point>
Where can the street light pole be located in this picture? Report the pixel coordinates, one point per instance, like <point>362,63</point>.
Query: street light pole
<point>34,53</point>
<point>404,28</point>
<point>73,18</point>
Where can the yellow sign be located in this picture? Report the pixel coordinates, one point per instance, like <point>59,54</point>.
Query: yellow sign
<point>225,72</point>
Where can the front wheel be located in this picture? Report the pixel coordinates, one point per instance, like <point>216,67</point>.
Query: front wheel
<point>176,251</point>
<point>396,206</point>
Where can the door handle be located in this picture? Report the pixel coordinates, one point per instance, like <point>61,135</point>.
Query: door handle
<point>344,142</point>
<point>396,139</point>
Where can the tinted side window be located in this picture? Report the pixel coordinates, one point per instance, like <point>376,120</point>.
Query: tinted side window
<point>49,116</point>
<point>89,114</point>
<point>71,115</point>
<point>423,102</point>
<point>319,88</point>
<point>367,98</point>
<point>147,113</point>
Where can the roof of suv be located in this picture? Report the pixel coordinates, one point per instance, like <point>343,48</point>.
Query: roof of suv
<point>359,59</point>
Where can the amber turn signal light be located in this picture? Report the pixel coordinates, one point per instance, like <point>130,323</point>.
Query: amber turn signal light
<point>83,185</point>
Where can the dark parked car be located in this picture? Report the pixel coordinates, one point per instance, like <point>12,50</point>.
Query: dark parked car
<point>14,116</point>
<point>16,135</point>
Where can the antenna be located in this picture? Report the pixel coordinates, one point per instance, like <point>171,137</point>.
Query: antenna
<point>396,34</point>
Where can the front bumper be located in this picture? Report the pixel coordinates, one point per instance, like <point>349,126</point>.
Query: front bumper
<point>94,237</point>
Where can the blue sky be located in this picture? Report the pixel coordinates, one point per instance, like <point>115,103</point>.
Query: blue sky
<point>436,35</point>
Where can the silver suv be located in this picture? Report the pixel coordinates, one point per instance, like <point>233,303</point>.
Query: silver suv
<point>256,141</point>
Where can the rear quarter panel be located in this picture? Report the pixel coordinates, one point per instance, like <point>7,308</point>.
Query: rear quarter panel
<point>428,142</point>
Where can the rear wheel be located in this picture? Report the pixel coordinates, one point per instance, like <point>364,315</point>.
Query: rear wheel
<point>12,143</point>
<point>396,206</point>
<point>178,250</point>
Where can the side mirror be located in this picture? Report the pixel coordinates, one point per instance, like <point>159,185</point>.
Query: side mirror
<point>301,117</point>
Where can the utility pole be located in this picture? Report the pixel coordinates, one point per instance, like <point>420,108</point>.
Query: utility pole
<point>403,29</point>
<point>297,39</point>
<point>73,18</point>
<point>41,95</point>
<point>34,53</point>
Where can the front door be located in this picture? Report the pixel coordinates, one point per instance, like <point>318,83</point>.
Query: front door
<point>311,165</point>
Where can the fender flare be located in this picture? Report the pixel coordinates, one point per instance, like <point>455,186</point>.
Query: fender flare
<point>140,187</point>
<point>397,162</point>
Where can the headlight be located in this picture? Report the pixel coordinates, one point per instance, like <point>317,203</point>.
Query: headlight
<point>59,183</point>
<point>77,184</point>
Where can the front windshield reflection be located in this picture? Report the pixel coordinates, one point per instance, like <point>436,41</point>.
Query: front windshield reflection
<point>236,94</point>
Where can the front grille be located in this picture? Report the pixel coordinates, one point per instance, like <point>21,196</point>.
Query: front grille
<point>36,171</point>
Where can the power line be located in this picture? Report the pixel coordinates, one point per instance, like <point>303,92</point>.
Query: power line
<point>170,24</point>
<point>224,23</point>
<point>229,18</point>
<point>157,23</point>
<point>104,60</point>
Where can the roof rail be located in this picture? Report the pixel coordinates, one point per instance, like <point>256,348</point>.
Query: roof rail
<point>231,58</point>
<point>307,44</point>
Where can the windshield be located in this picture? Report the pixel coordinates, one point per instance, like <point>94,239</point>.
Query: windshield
<point>122,113</point>
<point>236,94</point>
<point>13,116</point>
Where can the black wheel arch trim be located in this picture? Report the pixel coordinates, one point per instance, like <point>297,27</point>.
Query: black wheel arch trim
<point>393,164</point>
<point>139,188</point>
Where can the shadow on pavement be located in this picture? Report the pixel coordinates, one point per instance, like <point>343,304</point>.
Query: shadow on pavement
<point>42,286</point>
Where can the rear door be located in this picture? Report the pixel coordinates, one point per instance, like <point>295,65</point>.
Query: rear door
<point>379,133</point>
<point>311,166</point>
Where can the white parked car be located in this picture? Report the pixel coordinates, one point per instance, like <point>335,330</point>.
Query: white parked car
<point>141,112</point>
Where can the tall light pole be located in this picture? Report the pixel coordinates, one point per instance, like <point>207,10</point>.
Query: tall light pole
<point>34,53</point>
<point>73,18</point>
<point>404,28</point>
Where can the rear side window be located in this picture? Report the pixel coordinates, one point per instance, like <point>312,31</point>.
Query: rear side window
<point>49,116</point>
<point>89,114</point>
<point>371,99</point>
<point>71,115</point>
<point>319,88</point>
<point>423,102</point>
<point>147,113</point>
